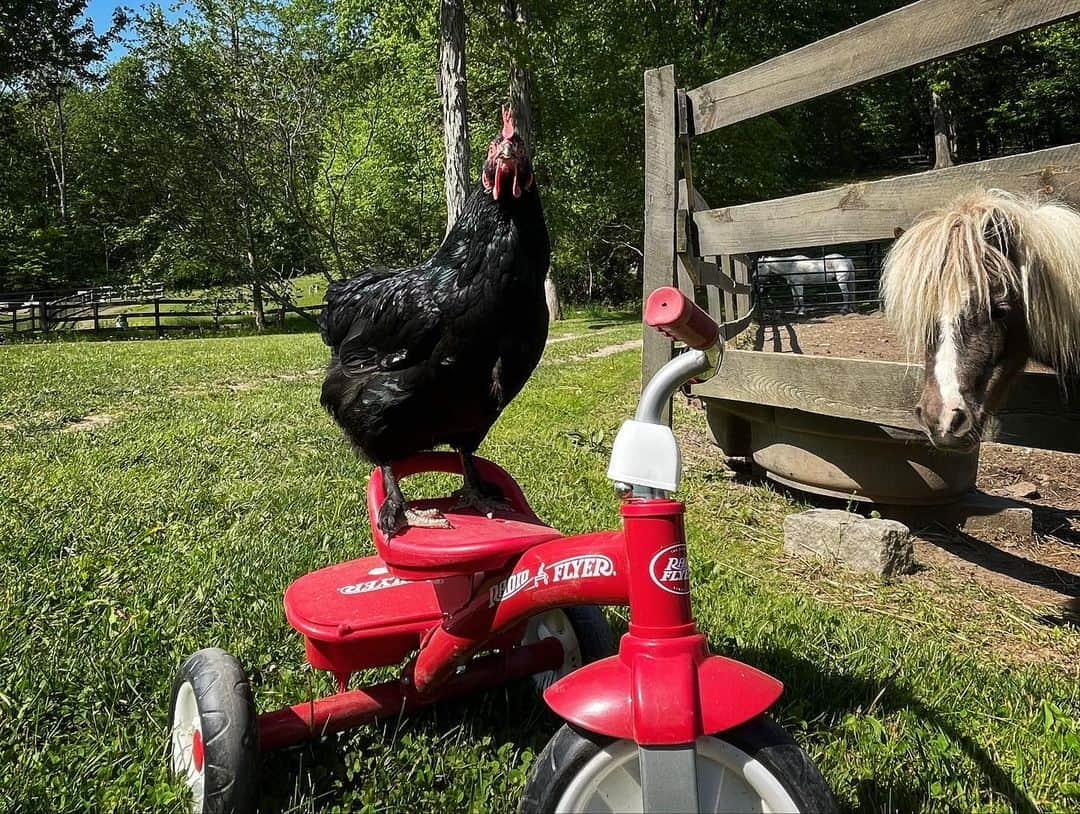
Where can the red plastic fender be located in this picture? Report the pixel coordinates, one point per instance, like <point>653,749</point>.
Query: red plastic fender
<point>663,691</point>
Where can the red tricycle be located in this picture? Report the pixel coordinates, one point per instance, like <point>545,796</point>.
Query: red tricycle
<point>662,725</point>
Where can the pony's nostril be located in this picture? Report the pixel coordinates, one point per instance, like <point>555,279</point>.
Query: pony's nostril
<point>959,423</point>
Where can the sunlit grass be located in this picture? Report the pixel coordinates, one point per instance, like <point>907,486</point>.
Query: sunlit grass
<point>218,480</point>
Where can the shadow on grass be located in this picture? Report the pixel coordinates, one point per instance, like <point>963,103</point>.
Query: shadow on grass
<point>814,692</point>
<point>332,769</point>
<point>613,319</point>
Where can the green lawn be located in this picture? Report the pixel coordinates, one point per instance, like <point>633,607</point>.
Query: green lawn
<point>214,478</point>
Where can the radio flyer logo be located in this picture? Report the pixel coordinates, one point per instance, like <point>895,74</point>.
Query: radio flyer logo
<point>670,570</point>
<point>584,566</point>
<point>379,583</point>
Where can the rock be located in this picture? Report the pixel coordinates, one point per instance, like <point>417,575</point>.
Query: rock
<point>1009,521</point>
<point>1022,489</point>
<point>882,547</point>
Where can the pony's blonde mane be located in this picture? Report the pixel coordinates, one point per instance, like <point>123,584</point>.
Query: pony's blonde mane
<point>951,258</point>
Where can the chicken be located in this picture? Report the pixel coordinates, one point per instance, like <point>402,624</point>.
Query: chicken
<point>431,355</point>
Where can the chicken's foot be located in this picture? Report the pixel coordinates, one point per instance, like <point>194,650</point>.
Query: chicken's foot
<point>426,519</point>
<point>395,514</point>
<point>477,493</point>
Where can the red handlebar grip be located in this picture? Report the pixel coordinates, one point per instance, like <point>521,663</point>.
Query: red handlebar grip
<point>673,314</point>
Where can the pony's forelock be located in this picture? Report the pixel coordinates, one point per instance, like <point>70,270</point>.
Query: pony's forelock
<point>951,259</point>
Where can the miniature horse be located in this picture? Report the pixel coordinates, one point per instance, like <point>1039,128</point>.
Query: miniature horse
<point>980,287</point>
<point>799,271</point>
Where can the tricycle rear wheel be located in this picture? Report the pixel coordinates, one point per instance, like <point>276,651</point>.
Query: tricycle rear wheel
<point>214,734</point>
<point>753,767</point>
<point>584,633</point>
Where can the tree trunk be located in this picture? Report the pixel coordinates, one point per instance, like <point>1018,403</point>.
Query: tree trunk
<point>61,174</point>
<point>942,151</point>
<point>452,89</point>
<point>551,296</point>
<point>516,13</point>
<point>257,307</point>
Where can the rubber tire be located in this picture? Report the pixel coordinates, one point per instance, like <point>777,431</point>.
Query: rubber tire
<point>594,636</point>
<point>570,749</point>
<point>593,632</point>
<point>230,730</point>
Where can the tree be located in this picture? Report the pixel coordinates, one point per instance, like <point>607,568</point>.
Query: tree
<point>516,15</point>
<point>942,142</point>
<point>452,90</point>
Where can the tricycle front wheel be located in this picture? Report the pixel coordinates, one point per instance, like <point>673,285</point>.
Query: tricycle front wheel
<point>213,736</point>
<point>754,767</point>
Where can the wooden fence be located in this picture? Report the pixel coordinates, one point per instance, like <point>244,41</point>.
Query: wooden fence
<point>704,249</point>
<point>158,314</point>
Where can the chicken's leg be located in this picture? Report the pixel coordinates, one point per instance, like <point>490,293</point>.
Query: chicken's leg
<point>477,493</point>
<point>395,514</point>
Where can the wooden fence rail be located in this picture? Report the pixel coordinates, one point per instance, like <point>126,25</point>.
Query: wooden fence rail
<point>909,36</point>
<point>874,210</point>
<point>694,246</point>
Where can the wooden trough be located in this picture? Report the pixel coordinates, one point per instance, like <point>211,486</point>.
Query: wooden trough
<point>840,427</point>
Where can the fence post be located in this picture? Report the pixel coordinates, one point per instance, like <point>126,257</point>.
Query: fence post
<point>157,316</point>
<point>97,321</point>
<point>661,177</point>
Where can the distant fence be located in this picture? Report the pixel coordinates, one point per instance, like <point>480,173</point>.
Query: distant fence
<point>131,309</point>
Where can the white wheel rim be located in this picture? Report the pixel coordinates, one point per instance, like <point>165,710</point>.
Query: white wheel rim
<point>728,780</point>
<point>554,624</point>
<point>187,760</point>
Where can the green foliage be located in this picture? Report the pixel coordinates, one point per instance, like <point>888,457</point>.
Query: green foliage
<point>248,139</point>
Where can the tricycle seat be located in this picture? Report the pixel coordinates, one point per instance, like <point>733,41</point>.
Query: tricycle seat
<point>473,543</point>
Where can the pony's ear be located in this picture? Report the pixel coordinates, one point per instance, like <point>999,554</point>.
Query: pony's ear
<point>897,232</point>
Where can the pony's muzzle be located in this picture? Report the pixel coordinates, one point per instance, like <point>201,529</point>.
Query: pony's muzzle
<point>951,428</point>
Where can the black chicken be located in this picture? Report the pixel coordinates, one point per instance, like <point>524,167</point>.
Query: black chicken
<point>431,355</point>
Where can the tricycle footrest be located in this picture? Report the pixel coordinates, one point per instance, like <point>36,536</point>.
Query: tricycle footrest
<point>357,614</point>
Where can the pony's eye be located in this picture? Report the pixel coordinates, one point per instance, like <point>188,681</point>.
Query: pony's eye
<point>999,310</point>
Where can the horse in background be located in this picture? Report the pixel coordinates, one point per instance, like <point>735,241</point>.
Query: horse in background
<point>980,287</point>
<point>799,271</point>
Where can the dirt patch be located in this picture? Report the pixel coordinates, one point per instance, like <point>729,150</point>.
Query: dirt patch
<point>89,422</point>
<point>854,336</point>
<point>1019,599</point>
<point>571,337</point>
<point>611,350</point>
<point>850,336</point>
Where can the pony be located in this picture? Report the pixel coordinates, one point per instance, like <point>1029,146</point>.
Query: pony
<point>980,287</point>
<point>799,271</point>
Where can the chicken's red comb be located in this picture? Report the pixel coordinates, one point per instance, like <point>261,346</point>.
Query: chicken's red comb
<point>508,123</point>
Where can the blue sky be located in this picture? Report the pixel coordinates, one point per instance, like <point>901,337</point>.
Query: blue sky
<point>101,11</point>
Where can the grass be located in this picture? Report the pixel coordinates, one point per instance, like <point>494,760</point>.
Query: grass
<point>177,524</point>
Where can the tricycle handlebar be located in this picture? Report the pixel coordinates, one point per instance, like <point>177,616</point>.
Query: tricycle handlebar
<point>672,313</point>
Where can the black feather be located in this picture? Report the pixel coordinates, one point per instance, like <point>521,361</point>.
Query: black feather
<point>431,355</point>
